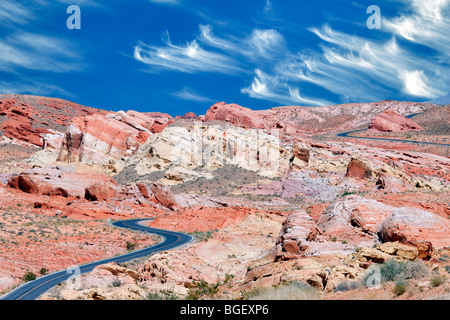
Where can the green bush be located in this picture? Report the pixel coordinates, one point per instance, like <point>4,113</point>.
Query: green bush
<point>29,276</point>
<point>130,246</point>
<point>399,289</point>
<point>436,281</point>
<point>162,295</point>
<point>43,271</point>
<point>346,286</point>
<point>203,290</point>
<point>393,270</point>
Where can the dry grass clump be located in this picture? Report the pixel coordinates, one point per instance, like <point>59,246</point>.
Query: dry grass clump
<point>291,291</point>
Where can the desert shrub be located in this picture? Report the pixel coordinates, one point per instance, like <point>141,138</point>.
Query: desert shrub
<point>393,270</point>
<point>203,235</point>
<point>413,270</point>
<point>43,271</point>
<point>116,283</point>
<point>202,290</point>
<point>162,295</point>
<point>399,289</point>
<point>292,291</point>
<point>447,268</point>
<point>436,281</point>
<point>130,246</point>
<point>29,276</point>
<point>346,286</point>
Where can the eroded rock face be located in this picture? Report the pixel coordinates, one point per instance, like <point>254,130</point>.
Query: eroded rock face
<point>301,151</point>
<point>27,118</point>
<point>164,195</point>
<point>192,145</point>
<point>298,229</point>
<point>58,182</point>
<point>344,218</point>
<point>358,169</point>
<point>64,181</point>
<point>97,138</point>
<point>392,121</point>
<point>380,254</point>
<point>416,227</point>
<point>235,114</point>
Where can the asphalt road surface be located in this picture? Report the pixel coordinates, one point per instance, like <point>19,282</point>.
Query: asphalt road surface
<point>349,134</point>
<point>33,289</point>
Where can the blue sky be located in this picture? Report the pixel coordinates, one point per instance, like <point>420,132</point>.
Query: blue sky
<point>177,56</point>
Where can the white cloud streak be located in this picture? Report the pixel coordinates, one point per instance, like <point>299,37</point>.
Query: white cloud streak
<point>209,53</point>
<point>37,52</point>
<point>428,25</point>
<point>353,68</point>
<point>188,58</point>
<point>190,95</point>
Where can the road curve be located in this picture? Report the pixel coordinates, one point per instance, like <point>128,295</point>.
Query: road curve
<point>33,289</point>
<point>349,135</point>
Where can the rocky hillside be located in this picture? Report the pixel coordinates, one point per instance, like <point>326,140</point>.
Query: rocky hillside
<point>272,196</point>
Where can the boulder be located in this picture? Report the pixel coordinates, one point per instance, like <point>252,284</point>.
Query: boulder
<point>53,141</point>
<point>235,114</point>
<point>418,228</point>
<point>297,230</point>
<point>100,192</point>
<point>392,121</point>
<point>61,181</point>
<point>400,250</point>
<point>354,216</point>
<point>301,151</point>
<point>389,183</point>
<point>164,195</point>
<point>358,169</point>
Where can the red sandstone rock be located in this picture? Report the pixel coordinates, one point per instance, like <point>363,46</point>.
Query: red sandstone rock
<point>101,192</point>
<point>58,182</point>
<point>392,184</point>
<point>236,115</point>
<point>358,169</point>
<point>190,115</point>
<point>298,229</point>
<point>416,227</point>
<point>392,121</point>
<point>301,151</point>
<point>164,195</point>
<point>98,137</point>
<point>27,118</point>
<point>354,217</point>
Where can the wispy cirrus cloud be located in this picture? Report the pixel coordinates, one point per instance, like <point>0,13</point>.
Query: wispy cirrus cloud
<point>274,88</point>
<point>356,68</point>
<point>191,95</point>
<point>210,53</point>
<point>14,12</point>
<point>348,67</point>
<point>23,48</point>
<point>37,52</point>
<point>428,25</point>
<point>25,85</point>
<point>188,58</point>
<point>171,2</point>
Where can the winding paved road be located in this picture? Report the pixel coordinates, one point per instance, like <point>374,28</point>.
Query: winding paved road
<point>33,289</point>
<point>349,135</point>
